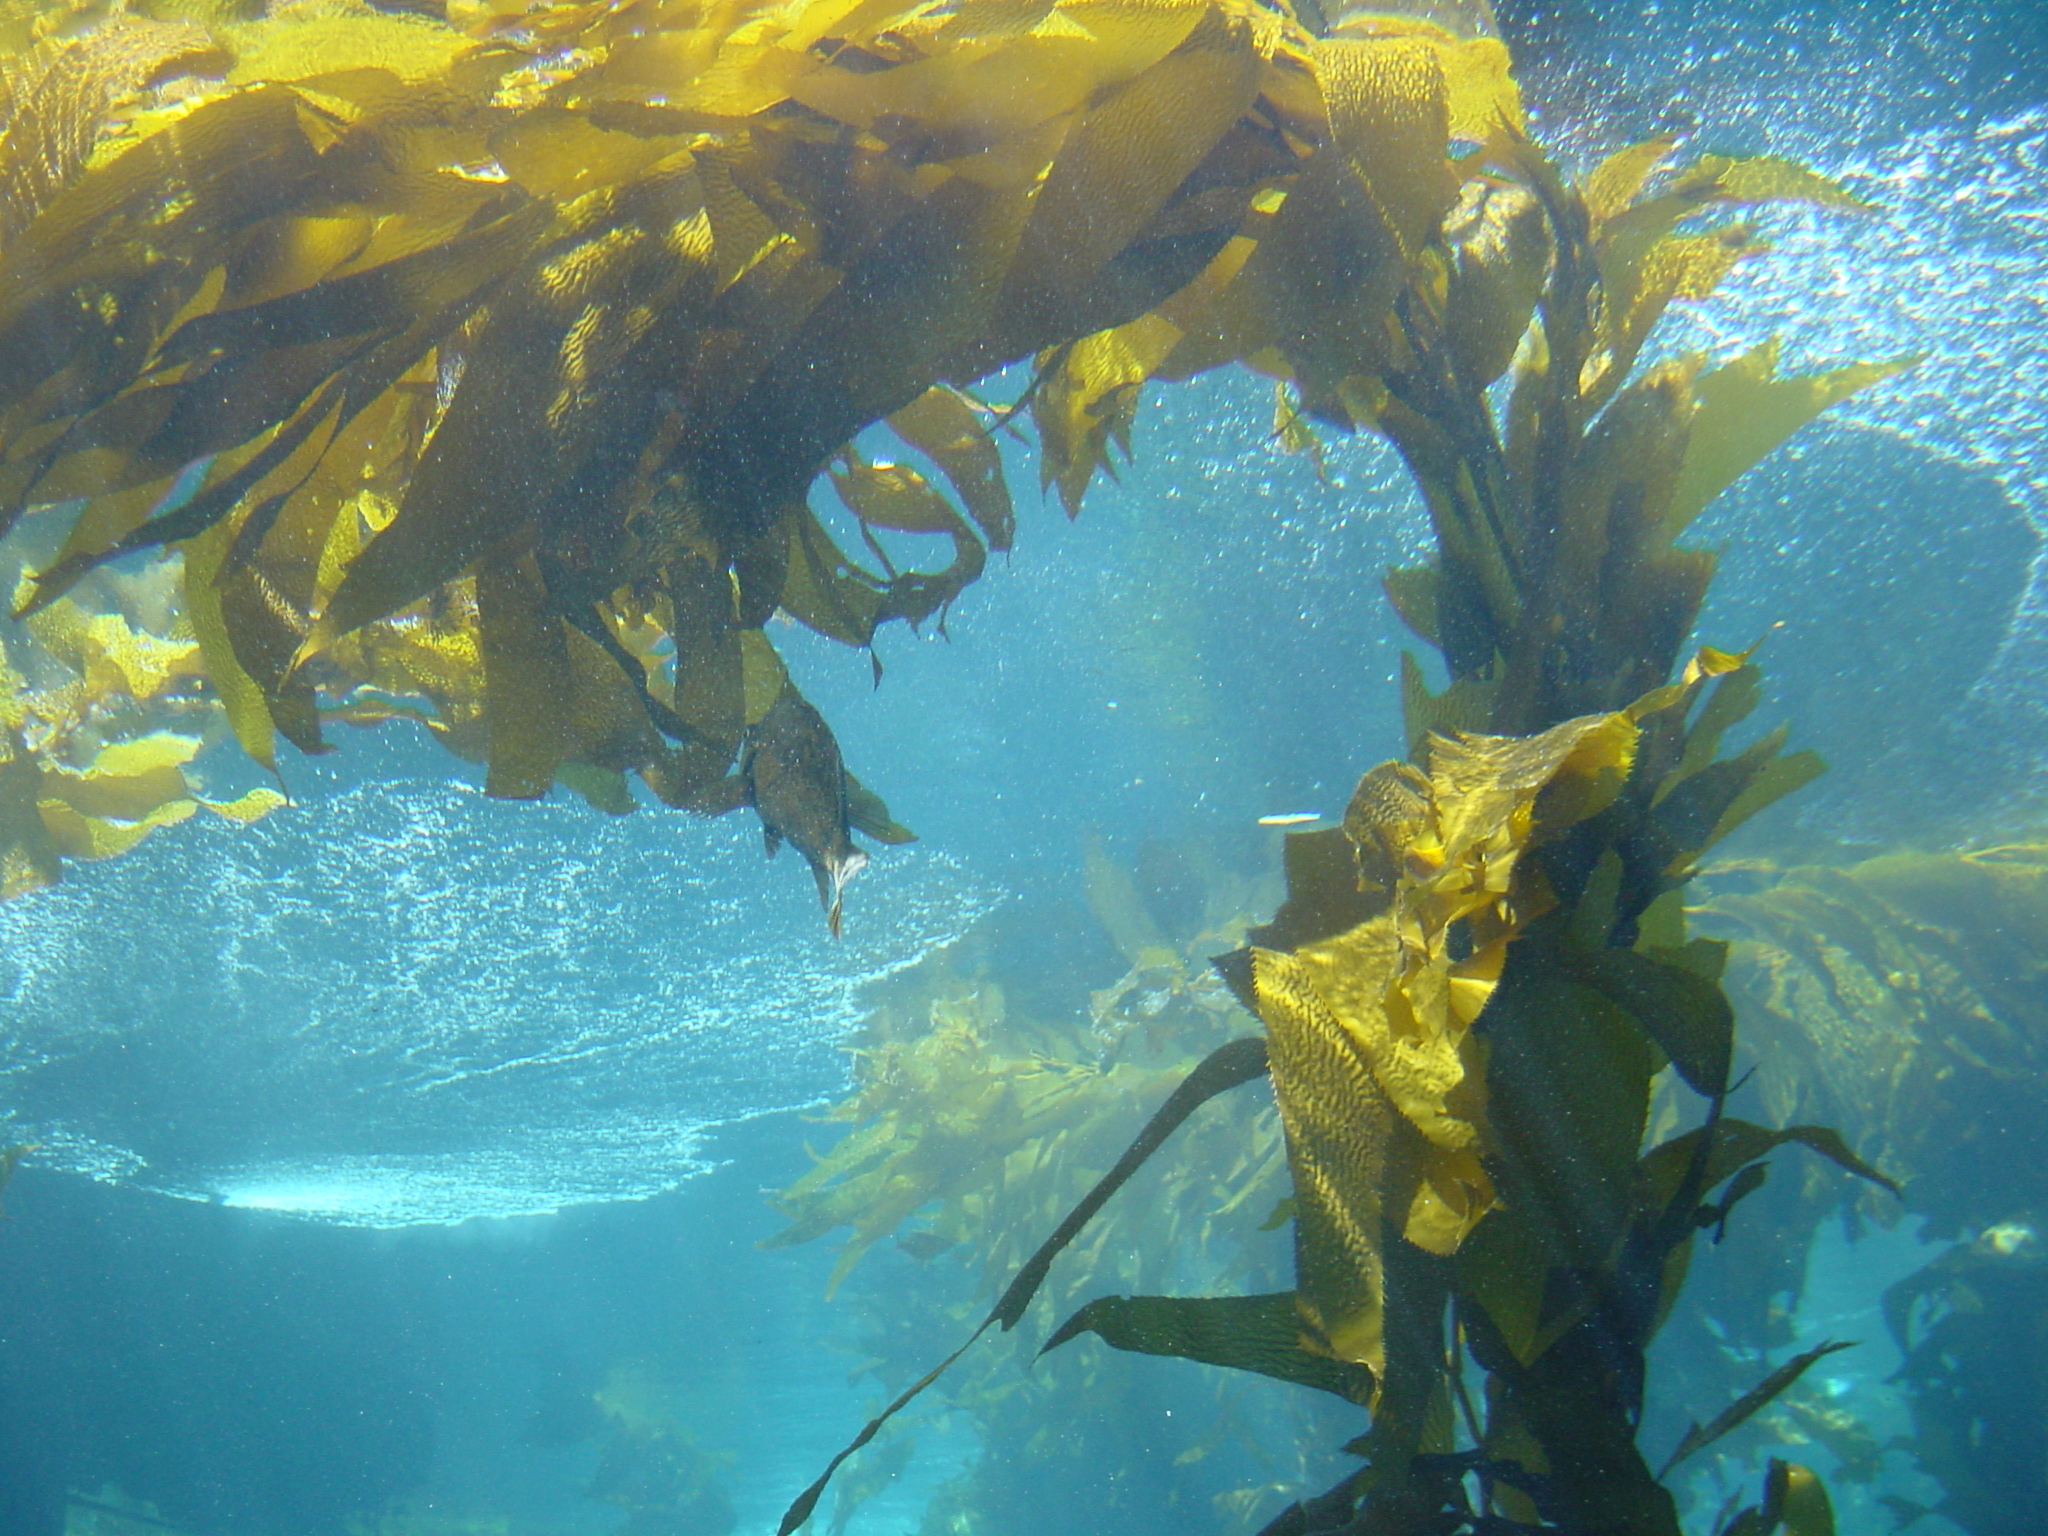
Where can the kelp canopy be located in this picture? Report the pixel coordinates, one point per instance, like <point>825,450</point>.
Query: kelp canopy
<point>479,369</point>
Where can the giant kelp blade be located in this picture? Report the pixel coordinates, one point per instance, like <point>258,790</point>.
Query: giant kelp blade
<point>807,1501</point>
<point>1341,1127</point>
<point>1737,1143</point>
<point>56,98</point>
<point>1751,1402</point>
<point>943,426</point>
<point>1677,998</point>
<point>1245,1333</point>
<point>1745,411</point>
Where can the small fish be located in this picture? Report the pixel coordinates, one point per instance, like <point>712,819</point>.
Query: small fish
<point>923,1246</point>
<point>1290,818</point>
<point>796,782</point>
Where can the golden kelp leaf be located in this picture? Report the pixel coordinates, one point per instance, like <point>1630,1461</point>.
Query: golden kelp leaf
<point>127,780</point>
<point>1677,998</point>
<point>246,808</point>
<point>299,42</point>
<point>822,591</point>
<point>1089,400</point>
<point>944,426</point>
<point>1803,1506</point>
<point>1640,281</point>
<point>240,696</point>
<point>1764,179</point>
<point>1704,808</point>
<point>1415,1058</point>
<point>994,89</point>
<point>79,836</point>
<point>1465,705</point>
<point>1618,179</point>
<point>1501,257</point>
<point>1339,1128</point>
<point>1480,95</point>
<point>1735,1144</point>
<point>762,675</point>
<point>1117,169</point>
<point>1389,117</point>
<point>895,496</point>
<point>527,679</point>
<point>1245,1333</point>
<point>561,154</point>
<point>1621,485</point>
<point>1293,431</point>
<point>1734,698</point>
<point>1413,592</point>
<point>1488,787</point>
<point>1503,1267</point>
<point>1745,411</point>
<point>56,99</point>
<point>111,655</point>
<point>1758,1397</point>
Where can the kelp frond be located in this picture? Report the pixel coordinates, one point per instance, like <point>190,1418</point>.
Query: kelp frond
<point>483,378</point>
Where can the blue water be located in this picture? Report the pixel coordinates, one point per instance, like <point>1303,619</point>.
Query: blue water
<point>352,1200</point>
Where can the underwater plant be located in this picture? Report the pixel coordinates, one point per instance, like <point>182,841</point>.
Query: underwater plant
<point>980,1112</point>
<point>479,369</point>
<point>272,293</point>
<point>1970,1326</point>
<point>1475,981</point>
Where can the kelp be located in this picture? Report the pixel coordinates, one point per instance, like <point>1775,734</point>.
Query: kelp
<point>1475,981</point>
<point>482,377</point>
<point>977,1116</point>
<point>1968,1328</point>
<point>1902,998</point>
<point>99,731</point>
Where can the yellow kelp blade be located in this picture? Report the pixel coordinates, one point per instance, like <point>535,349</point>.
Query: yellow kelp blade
<point>1795,1503</point>
<point>1745,410</point>
<point>1340,1130</point>
<point>1244,1333</point>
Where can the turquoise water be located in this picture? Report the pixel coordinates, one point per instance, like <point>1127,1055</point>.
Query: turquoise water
<point>415,1142</point>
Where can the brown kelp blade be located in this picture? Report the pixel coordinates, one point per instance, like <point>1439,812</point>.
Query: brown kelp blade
<point>1756,1398</point>
<point>1228,1066</point>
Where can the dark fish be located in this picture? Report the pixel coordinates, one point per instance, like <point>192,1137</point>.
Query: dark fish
<point>923,1246</point>
<point>797,784</point>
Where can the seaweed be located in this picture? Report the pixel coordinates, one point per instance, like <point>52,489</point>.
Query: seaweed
<point>1474,982</point>
<point>483,379</point>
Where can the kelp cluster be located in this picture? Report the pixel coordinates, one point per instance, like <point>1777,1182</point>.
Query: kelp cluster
<point>1905,999</point>
<point>1475,981</point>
<point>480,372</point>
<point>1899,998</point>
<point>100,730</point>
<point>1970,1327</point>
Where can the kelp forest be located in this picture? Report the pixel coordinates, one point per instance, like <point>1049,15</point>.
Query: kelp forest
<point>526,375</point>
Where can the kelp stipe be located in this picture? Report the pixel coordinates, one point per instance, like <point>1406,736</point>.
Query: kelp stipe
<point>1476,978</point>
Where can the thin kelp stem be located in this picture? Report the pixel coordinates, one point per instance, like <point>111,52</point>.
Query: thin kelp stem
<point>1227,1067</point>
